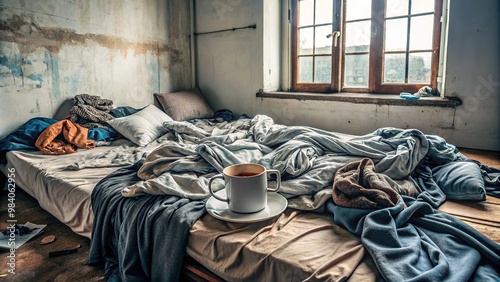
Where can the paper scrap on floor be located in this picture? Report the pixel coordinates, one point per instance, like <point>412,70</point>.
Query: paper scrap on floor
<point>9,239</point>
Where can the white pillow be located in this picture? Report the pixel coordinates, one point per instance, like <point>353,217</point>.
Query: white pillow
<point>143,126</point>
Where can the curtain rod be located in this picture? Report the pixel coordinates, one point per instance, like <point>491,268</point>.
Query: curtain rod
<point>229,29</point>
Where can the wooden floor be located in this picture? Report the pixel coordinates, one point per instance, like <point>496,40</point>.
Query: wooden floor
<point>489,158</point>
<point>32,262</point>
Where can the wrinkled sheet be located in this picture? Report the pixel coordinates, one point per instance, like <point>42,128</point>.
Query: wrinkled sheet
<point>297,246</point>
<point>139,239</point>
<point>306,157</point>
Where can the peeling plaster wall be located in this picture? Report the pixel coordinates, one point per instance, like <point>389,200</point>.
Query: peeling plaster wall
<point>232,67</point>
<point>125,51</point>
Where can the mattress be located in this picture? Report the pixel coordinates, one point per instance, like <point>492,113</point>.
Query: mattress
<point>278,242</point>
<point>63,193</point>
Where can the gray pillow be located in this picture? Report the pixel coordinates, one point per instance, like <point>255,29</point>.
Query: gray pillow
<point>460,181</point>
<point>184,105</point>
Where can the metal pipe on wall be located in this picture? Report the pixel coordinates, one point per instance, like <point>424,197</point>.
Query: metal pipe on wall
<point>192,43</point>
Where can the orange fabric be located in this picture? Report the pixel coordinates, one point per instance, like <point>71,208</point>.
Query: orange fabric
<point>75,136</point>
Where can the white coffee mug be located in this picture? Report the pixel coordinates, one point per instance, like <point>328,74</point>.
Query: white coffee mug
<point>246,187</point>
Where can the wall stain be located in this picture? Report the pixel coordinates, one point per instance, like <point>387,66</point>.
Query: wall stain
<point>36,109</point>
<point>52,63</point>
<point>26,32</point>
<point>14,65</point>
<point>38,77</point>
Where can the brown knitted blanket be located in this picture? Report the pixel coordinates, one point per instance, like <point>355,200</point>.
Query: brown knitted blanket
<point>357,185</point>
<point>91,111</point>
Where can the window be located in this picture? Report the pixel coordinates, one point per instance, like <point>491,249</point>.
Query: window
<point>375,46</point>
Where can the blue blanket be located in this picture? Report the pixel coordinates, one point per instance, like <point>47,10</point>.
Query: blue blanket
<point>491,176</point>
<point>139,239</point>
<point>413,242</point>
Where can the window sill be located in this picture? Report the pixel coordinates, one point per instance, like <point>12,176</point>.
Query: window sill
<point>363,98</point>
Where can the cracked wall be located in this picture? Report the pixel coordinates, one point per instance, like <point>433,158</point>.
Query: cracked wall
<point>125,51</point>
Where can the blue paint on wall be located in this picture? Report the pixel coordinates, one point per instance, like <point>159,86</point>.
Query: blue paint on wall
<point>154,73</point>
<point>53,71</point>
<point>74,83</point>
<point>13,64</point>
<point>38,77</point>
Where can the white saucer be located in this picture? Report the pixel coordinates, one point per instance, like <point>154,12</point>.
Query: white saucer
<point>276,204</point>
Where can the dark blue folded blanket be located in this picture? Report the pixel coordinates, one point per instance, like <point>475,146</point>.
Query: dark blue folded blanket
<point>142,238</point>
<point>414,242</point>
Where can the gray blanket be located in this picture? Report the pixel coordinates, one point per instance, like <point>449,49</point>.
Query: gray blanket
<point>182,161</point>
<point>307,157</point>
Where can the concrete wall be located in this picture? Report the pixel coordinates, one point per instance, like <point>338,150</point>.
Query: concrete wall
<point>473,72</point>
<point>231,67</point>
<point>52,50</point>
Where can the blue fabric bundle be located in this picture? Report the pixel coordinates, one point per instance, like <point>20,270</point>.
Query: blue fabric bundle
<point>414,242</point>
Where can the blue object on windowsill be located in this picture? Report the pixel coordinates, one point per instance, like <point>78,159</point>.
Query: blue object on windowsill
<point>408,96</point>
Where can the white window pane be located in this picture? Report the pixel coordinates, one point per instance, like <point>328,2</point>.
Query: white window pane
<point>357,37</point>
<point>323,69</point>
<point>422,6</point>
<point>419,67</point>
<point>356,71</point>
<point>323,45</point>
<point>397,8</point>
<point>305,69</point>
<point>306,41</point>
<point>306,12</point>
<point>324,11</point>
<point>358,9</point>
<point>421,30</point>
<point>395,34</point>
<point>394,68</point>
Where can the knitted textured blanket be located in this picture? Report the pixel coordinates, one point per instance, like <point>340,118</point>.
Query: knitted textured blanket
<point>91,111</point>
<point>357,185</point>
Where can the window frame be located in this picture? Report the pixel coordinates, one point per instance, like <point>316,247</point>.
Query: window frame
<point>375,73</point>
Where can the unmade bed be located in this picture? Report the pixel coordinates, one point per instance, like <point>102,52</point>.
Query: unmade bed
<point>144,206</point>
